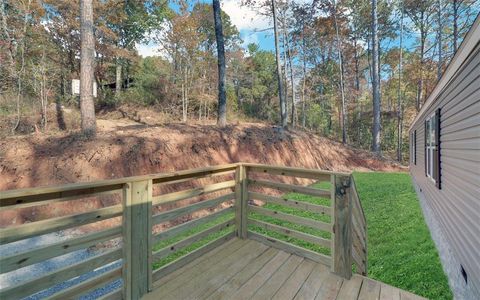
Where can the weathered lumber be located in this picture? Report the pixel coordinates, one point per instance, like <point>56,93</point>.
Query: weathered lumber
<point>6,196</point>
<point>175,213</point>
<point>290,248</point>
<point>33,256</point>
<point>88,285</point>
<point>290,188</point>
<point>171,232</point>
<point>342,238</point>
<point>16,233</point>
<point>137,237</point>
<point>180,262</point>
<point>292,233</point>
<point>32,286</point>
<point>297,172</point>
<point>283,200</point>
<point>182,195</point>
<point>292,218</point>
<point>170,249</point>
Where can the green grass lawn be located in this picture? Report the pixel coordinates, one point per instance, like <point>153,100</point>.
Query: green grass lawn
<point>400,249</point>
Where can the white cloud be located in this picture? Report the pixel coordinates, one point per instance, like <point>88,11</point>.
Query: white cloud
<point>244,17</point>
<point>150,49</point>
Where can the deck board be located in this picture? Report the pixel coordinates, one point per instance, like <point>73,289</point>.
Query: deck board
<point>247,269</point>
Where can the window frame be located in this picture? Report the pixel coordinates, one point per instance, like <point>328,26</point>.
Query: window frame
<point>430,146</point>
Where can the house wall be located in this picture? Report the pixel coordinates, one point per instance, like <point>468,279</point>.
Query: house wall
<point>456,206</point>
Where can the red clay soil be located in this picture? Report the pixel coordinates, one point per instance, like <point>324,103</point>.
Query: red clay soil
<point>126,148</point>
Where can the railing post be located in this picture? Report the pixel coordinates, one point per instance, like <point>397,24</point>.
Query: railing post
<point>342,226</point>
<point>241,199</point>
<point>137,236</point>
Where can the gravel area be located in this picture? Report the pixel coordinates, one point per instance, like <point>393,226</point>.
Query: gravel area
<point>39,269</point>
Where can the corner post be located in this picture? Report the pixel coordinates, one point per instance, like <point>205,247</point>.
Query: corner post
<point>342,226</point>
<point>137,236</point>
<point>241,199</point>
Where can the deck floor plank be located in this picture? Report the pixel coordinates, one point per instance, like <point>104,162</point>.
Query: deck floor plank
<point>232,263</point>
<point>244,275</point>
<point>311,286</point>
<point>370,290</point>
<point>278,278</point>
<point>329,288</point>
<point>290,287</point>
<point>388,292</point>
<point>252,285</point>
<point>350,288</point>
<point>248,269</point>
<point>199,269</point>
<point>222,277</point>
<point>231,245</point>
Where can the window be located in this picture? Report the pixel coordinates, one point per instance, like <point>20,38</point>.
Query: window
<point>430,129</point>
<point>432,147</point>
<point>413,153</point>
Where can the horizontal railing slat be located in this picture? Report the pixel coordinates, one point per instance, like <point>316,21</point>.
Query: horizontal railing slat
<point>182,195</point>
<point>175,213</point>
<point>23,259</point>
<point>157,255</point>
<point>16,233</point>
<point>204,175</point>
<point>176,264</point>
<point>292,218</point>
<point>319,209</point>
<point>88,285</point>
<point>290,188</point>
<point>287,247</point>
<point>44,199</point>
<point>171,232</point>
<point>157,178</point>
<point>293,172</point>
<point>38,284</point>
<point>294,169</point>
<point>292,233</point>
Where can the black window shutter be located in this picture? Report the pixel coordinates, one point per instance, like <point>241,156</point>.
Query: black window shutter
<point>415,147</point>
<point>425,143</point>
<point>436,153</point>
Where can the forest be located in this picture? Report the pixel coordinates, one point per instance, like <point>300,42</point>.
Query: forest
<point>354,71</point>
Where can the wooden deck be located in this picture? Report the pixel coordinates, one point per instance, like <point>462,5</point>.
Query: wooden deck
<point>247,269</point>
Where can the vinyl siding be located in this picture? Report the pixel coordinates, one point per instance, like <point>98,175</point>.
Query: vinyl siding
<point>457,204</point>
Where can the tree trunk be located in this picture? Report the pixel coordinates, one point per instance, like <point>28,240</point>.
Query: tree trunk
<point>304,83</point>
<point>283,107</point>
<point>222,97</point>
<point>455,25</point>
<point>87,107</point>
<point>439,39</point>
<point>343,115</point>
<point>399,103</point>
<point>375,82</point>
<point>289,55</point>
<point>118,76</point>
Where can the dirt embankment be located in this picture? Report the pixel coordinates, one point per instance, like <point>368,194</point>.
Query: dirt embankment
<point>126,148</point>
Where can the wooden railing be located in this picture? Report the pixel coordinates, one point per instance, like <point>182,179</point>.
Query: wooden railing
<point>159,223</point>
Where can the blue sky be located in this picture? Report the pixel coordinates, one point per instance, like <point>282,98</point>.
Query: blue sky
<point>248,22</point>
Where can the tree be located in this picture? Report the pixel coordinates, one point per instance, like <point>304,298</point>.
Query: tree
<point>87,55</point>
<point>222,97</point>
<point>375,82</point>
<point>281,96</point>
<point>342,86</point>
<point>399,100</point>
